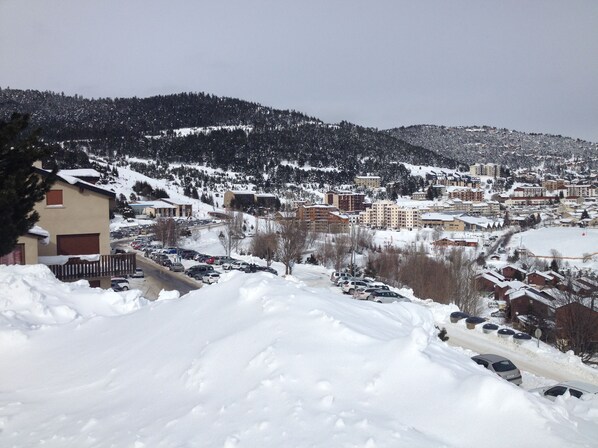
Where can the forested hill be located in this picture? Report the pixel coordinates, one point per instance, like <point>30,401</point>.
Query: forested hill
<point>265,143</point>
<point>515,149</point>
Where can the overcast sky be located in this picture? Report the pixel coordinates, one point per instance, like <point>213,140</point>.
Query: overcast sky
<point>529,65</point>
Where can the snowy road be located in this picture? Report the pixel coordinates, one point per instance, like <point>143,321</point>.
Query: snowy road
<point>537,361</point>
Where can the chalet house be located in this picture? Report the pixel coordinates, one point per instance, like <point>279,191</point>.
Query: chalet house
<point>527,302</point>
<point>503,289</point>
<point>511,272</point>
<point>583,316</point>
<point>541,279</point>
<point>487,281</point>
<point>73,233</point>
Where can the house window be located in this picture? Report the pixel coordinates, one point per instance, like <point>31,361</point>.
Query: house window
<point>54,197</point>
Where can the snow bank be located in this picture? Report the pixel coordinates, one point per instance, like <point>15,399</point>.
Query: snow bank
<point>31,297</point>
<point>258,361</point>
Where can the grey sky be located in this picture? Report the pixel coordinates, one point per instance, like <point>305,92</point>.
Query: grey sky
<point>530,65</point>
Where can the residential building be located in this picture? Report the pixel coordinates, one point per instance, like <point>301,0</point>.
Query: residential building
<point>368,181</point>
<point>442,221</point>
<point>466,194</point>
<point>487,169</point>
<point>323,218</point>
<point>461,242</point>
<point>346,201</point>
<point>583,191</point>
<point>72,235</point>
<point>184,209</point>
<point>529,191</point>
<point>245,200</point>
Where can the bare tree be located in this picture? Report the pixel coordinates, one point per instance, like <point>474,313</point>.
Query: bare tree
<point>384,265</point>
<point>232,232</point>
<point>265,243</point>
<point>293,240</point>
<point>341,249</point>
<point>577,323</point>
<point>465,293</point>
<point>167,231</point>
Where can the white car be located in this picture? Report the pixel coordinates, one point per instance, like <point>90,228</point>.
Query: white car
<point>350,286</point>
<point>211,277</point>
<point>240,265</point>
<point>574,388</point>
<point>363,293</point>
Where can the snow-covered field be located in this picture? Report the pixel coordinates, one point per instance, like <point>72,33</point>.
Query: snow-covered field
<point>255,360</point>
<point>571,242</point>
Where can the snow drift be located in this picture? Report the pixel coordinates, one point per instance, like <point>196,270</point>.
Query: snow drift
<point>252,361</point>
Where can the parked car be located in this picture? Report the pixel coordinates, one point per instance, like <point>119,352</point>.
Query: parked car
<point>188,254</point>
<point>166,262</point>
<point>575,389</point>
<point>199,270</point>
<point>211,277</point>
<point>138,273</point>
<point>177,267</point>
<point>240,265</point>
<point>344,278</point>
<point>227,264</point>
<point>350,286</point>
<point>119,284</point>
<point>501,366</point>
<point>385,296</point>
<point>363,293</point>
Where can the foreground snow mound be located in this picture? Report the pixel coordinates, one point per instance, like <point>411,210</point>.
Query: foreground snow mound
<point>259,361</point>
<point>31,297</point>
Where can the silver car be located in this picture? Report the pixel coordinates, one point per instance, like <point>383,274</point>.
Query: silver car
<point>501,366</point>
<point>574,388</point>
<point>384,296</point>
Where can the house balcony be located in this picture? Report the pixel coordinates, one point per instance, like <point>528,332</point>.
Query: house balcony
<point>68,268</point>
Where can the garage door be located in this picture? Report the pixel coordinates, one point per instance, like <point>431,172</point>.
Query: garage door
<point>78,244</point>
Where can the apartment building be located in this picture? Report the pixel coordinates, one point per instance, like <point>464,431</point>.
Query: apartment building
<point>346,201</point>
<point>323,218</point>
<point>368,181</point>
<point>466,194</point>
<point>487,169</point>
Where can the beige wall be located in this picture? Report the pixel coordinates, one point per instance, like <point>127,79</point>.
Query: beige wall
<point>31,247</point>
<point>82,212</point>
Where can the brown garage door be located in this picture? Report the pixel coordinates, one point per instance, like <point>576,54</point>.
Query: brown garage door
<point>78,244</point>
<point>17,256</point>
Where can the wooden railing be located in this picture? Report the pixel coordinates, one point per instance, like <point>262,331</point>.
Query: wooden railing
<point>107,266</point>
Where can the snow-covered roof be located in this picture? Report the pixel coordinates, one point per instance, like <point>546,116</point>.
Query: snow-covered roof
<point>158,204</point>
<point>437,217</point>
<point>529,292</point>
<point>81,172</point>
<point>265,195</point>
<point>39,231</point>
<point>78,182</point>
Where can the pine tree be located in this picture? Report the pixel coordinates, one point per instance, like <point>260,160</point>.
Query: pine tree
<point>20,186</point>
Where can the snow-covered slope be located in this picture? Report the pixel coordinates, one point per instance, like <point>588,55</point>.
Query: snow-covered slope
<point>253,361</point>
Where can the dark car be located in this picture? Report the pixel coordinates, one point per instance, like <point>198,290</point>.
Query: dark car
<point>188,254</point>
<point>199,270</point>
